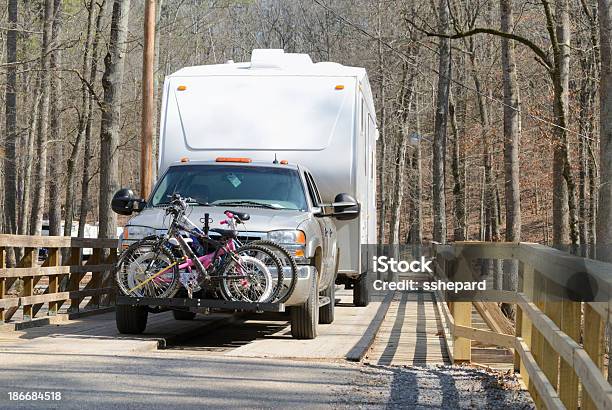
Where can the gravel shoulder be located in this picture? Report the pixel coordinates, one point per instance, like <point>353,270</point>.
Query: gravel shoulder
<point>429,387</point>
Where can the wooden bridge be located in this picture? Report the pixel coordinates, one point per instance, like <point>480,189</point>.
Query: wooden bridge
<point>556,347</point>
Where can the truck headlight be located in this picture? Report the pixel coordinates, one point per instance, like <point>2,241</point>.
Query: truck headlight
<point>293,240</point>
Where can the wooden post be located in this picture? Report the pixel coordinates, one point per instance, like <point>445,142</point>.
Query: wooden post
<point>148,101</point>
<point>54,260</point>
<point>96,278</point>
<point>29,258</point>
<point>75,278</point>
<point>550,357</point>
<point>568,380</point>
<point>108,279</point>
<point>536,337</point>
<point>593,345</point>
<point>525,325</point>
<point>462,347</point>
<point>2,280</point>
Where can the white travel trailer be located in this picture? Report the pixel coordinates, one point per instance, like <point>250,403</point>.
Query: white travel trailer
<point>320,115</point>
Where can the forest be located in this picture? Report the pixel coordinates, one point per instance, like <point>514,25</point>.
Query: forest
<point>493,116</point>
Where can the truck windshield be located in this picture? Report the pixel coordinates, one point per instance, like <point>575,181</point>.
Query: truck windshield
<point>266,187</point>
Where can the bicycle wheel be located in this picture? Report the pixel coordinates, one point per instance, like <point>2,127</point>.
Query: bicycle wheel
<point>287,284</point>
<point>246,275</point>
<point>147,269</point>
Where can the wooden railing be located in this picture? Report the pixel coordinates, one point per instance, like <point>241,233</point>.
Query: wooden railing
<point>558,343</point>
<point>31,286</point>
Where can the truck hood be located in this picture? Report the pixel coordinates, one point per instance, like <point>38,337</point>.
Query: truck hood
<point>262,220</point>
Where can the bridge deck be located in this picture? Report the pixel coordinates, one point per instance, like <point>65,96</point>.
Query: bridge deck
<point>411,333</point>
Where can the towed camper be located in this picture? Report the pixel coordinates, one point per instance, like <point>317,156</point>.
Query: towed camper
<point>234,128</point>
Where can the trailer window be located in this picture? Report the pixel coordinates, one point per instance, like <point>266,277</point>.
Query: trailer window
<point>271,187</point>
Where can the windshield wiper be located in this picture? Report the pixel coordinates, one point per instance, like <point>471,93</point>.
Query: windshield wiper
<point>194,202</point>
<point>248,203</point>
<point>199,203</point>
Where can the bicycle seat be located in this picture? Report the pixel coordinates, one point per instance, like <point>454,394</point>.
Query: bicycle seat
<point>242,216</point>
<point>225,233</point>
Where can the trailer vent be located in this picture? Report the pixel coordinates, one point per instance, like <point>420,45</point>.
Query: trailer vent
<point>277,58</point>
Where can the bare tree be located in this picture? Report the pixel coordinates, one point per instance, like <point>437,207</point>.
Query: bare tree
<point>604,214</point>
<point>40,176</point>
<point>403,108</point>
<point>511,146</point>
<point>56,129</point>
<point>112,82</point>
<point>10,158</point>
<point>439,145</point>
<point>89,109</point>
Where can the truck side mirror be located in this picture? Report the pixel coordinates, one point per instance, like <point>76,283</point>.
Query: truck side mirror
<point>345,207</point>
<point>124,202</point>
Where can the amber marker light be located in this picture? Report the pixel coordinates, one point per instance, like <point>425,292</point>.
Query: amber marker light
<point>181,87</point>
<point>229,159</point>
<point>339,87</point>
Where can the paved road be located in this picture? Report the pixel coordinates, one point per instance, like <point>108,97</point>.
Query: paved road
<point>242,363</point>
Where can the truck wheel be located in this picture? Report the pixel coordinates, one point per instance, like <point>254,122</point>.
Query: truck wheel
<point>183,315</point>
<point>131,319</point>
<point>361,292</point>
<point>305,318</point>
<point>326,313</point>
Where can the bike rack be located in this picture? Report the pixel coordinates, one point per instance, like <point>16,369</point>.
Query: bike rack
<point>201,303</point>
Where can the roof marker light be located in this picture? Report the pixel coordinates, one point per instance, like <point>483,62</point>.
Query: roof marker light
<point>339,87</point>
<point>284,162</point>
<point>229,159</point>
<point>181,87</point>
<point>184,159</point>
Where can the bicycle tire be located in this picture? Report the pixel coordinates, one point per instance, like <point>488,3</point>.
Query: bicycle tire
<point>125,284</point>
<point>288,259</point>
<point>251,250</point>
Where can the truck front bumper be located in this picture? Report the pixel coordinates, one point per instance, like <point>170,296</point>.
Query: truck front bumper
<point>306,274</point>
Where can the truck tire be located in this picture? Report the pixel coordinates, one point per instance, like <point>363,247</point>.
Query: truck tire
<point>131,319</point>
<point>305,318</point>
<point>183,315</point>
<point>361,291</point>
<point>326,313</point>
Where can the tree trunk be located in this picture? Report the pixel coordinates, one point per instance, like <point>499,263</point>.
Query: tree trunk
<point>28,163</point>
<point>415,236</point>
<point>404,104</point>
<point>40,178</point>
<point>56,169</point>
<point>565,228</point>
<point>88,150</point>
<point>441,118</point>
<point>382,136</point>
<point>10,158</point>
<point>458,179</point>
<point>112,82</point>
<point>82,125</point>
<point>511,149</point>
<point>604,214</point>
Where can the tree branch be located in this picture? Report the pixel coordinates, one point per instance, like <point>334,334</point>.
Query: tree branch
<point>541,54</point>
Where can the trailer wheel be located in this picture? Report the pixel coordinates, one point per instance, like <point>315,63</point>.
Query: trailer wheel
<point>131,319</point>
<point>305,318</point>
<point>326,313</point>
<point>183,315</point>
<point>361,291</point>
